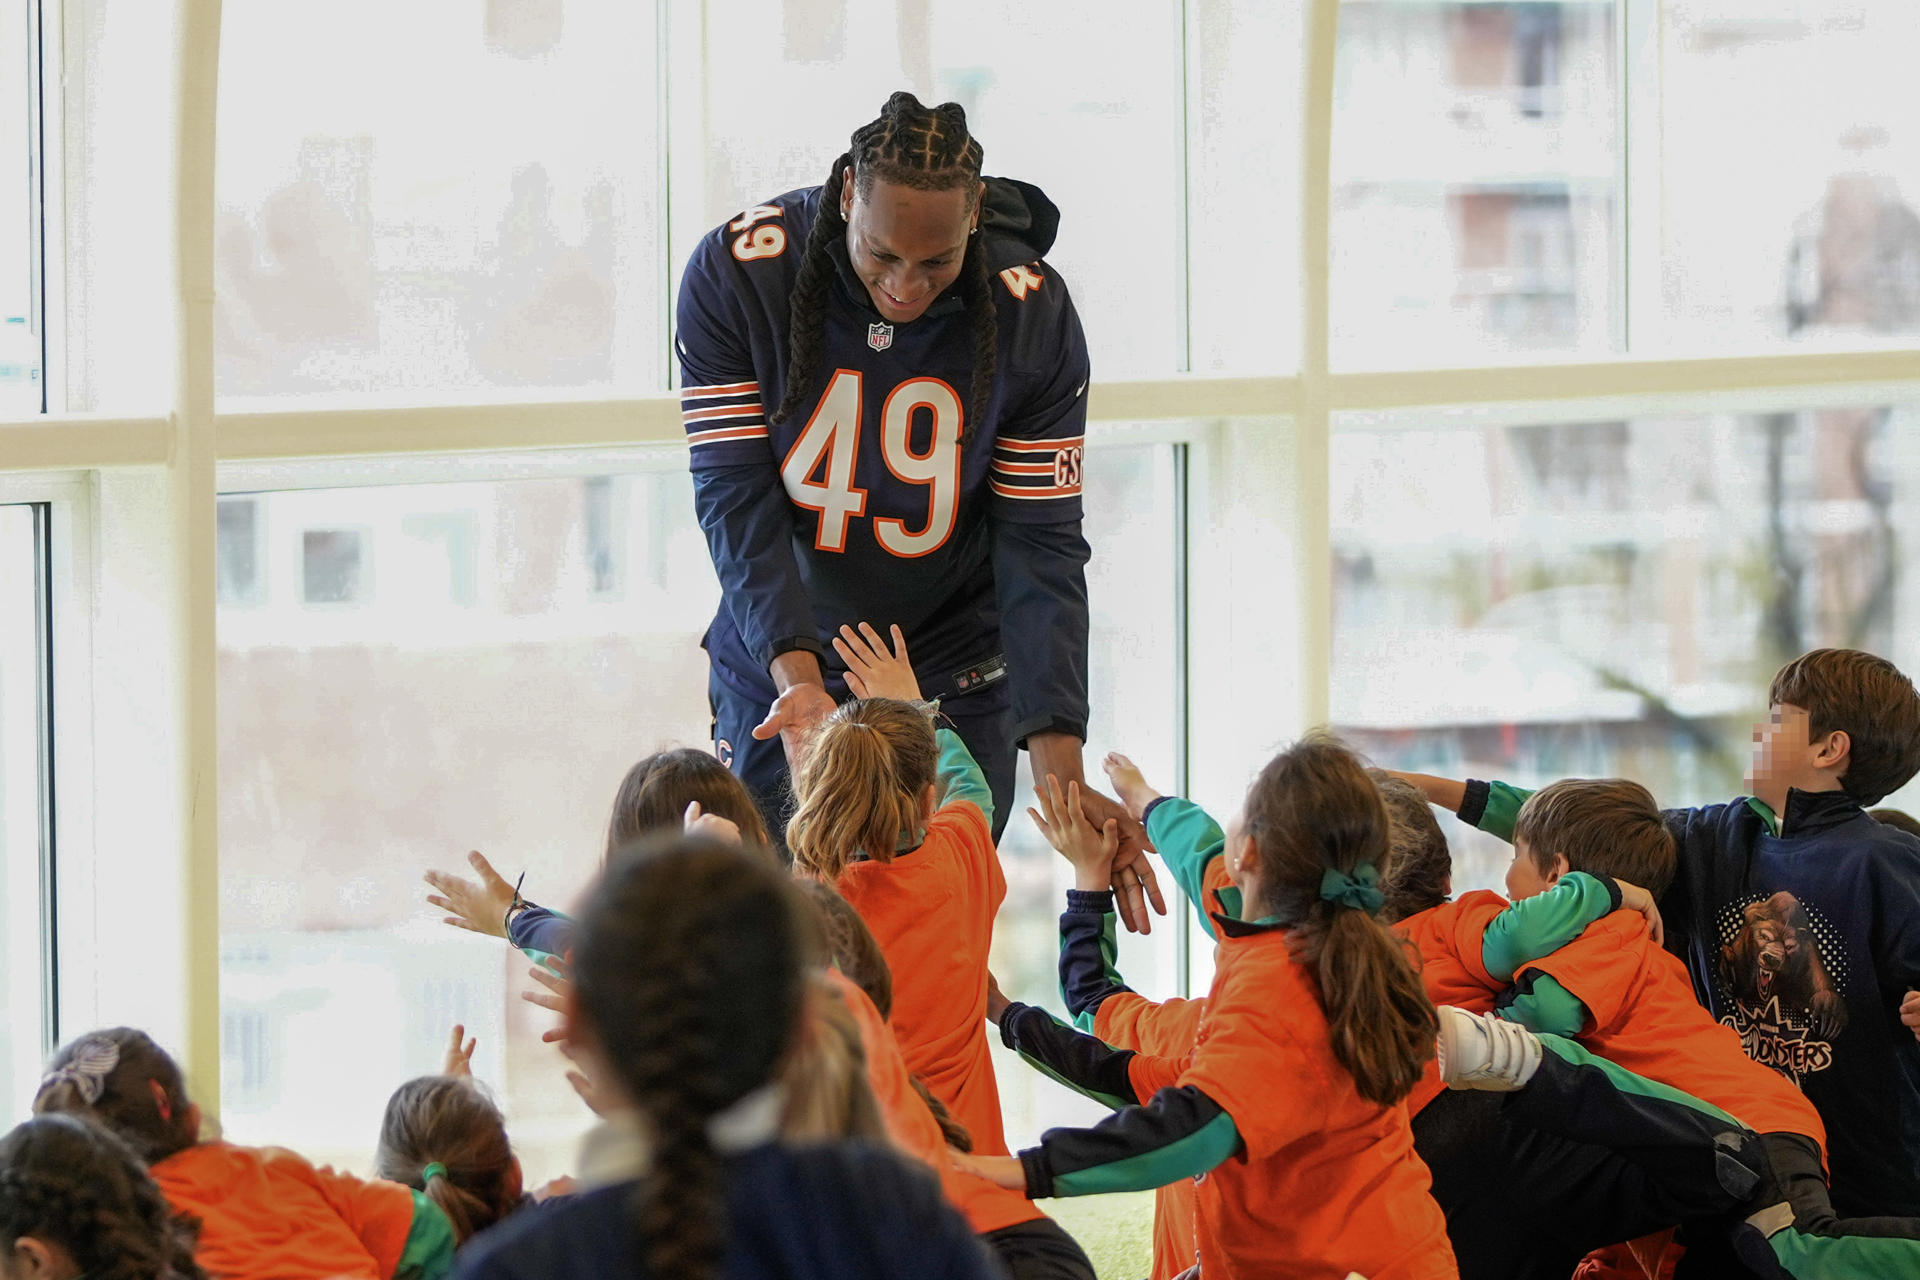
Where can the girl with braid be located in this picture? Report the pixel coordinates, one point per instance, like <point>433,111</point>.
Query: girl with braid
<point>690,981</point>
<point>76,1202</point>
<point>883,386</point>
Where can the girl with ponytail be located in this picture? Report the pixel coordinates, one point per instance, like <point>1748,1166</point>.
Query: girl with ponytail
<point>1316,1028</point>
<point>894,813</point>
<point>690,985</point>
<point>443,1136</point>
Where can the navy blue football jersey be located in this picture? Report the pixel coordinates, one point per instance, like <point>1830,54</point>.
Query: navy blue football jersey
<point>867,504</point>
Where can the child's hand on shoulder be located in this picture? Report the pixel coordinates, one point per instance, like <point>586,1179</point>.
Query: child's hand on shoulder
<point>872,670</point>
<point>1062,819</point>
<point>1634,898</point>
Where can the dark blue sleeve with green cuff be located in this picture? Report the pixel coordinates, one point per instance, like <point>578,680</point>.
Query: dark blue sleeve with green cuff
<point>1181,1133</point>
<point>1089,953</point>
<point>1492,807</point>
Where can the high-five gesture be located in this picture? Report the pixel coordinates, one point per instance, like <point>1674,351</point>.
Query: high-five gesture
<point>874,670</point>
<point>1062,819</point>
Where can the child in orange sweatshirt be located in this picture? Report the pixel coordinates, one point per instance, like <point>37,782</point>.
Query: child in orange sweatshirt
<point>1290,1100</point>
<point>895,814</point>
<point>265,1213</point>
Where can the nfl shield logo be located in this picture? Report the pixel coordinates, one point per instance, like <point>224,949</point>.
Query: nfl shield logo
<point>880,336</point>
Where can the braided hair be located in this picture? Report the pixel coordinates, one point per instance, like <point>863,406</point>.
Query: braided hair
<point>910,145</point>
<point>688,971</point>
<point>67,1181</point>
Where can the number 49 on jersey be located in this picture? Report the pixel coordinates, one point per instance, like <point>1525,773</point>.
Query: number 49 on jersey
<point>821,470</point>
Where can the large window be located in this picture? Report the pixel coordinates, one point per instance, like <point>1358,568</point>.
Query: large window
<point>494,224</point>
<point>1803,224</point>
<point>407,673</point>
<point>1563,383</point>
<point>1610,598</point>
<point>1476,189</point>
<point>25,809</point>
<point>410,672</point>
<point>22,296</point>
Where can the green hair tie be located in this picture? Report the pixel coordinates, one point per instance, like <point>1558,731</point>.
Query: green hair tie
<point>1360,890</point>
<point>432,1171</point>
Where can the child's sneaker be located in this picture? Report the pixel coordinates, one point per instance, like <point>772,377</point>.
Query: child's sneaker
<point>1484,1053</point>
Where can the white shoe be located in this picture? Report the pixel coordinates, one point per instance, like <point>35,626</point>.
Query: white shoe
<point>1476,1052</point>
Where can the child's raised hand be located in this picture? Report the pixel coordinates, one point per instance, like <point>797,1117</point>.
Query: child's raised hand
<point>1634,898</point>
<point>480,905</point>
<point>711,825</point>
<point>872,670</point>
<point>1063,821</point>
<point>1910,1012</point>
<point>459,1059</point>
<point>1129,784</point>
<point>552,974</point>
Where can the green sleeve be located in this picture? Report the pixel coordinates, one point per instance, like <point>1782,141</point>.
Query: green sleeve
<point>1541,925</point>
<point>1492,807</point>
<point>1187,840</point>
<point>1544,1006</point>
<point>960,777</point>
<point>429,1251</point>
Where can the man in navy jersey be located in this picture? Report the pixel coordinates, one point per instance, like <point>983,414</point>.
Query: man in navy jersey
<point>884,390</point>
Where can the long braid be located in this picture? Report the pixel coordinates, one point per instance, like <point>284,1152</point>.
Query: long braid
<point>977,278</point>
<point>688,969</point>
<point>808,313</point>
<point>678,1207</point>
<point>929,149</point>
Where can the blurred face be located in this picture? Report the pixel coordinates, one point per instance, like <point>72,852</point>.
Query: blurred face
<point>906,245</point>
<point>1783,756</point>
<point>1524,877</point>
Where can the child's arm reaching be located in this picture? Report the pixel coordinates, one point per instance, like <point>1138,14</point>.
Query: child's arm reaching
<point>1490,806</point>
<point>1088,949</point>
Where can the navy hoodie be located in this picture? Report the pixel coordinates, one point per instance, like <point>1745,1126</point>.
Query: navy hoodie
<point>845,1210</point>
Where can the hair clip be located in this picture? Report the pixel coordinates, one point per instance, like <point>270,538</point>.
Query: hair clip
<point>93,1061</point>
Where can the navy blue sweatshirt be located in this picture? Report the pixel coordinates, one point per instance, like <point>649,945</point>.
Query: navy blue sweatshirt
<point>1803,934</point>
<point>865,505</point>
<point>845,1210</point>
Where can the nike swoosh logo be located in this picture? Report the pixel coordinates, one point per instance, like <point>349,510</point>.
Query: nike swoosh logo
<point>1077,390</point>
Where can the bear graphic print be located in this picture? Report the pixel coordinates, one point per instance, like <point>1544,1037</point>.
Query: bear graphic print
<point>1781,973</point>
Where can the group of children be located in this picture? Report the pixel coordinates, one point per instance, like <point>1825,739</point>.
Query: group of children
<point>1693,1030</point>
